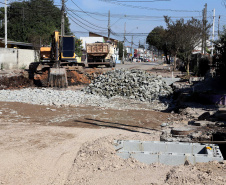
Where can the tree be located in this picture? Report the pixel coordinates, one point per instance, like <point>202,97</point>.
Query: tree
<point>157,37</point>
<point>193,33</point>
<point>120,46</point>
<point>78,47</point>
<point>34,21</point>
<point>220,58</point>
<point>184,37</point>
<point>175,35</point>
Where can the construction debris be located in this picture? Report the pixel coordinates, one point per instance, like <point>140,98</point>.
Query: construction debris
<point>134,84</point>
<point>14,82</point>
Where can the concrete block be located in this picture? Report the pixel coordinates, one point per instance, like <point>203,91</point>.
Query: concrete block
<point>171,158</point>
<point>170,153</point>
<point>198,148</point>
<point>132,146</point>
<point>179,148</point>
<point>144,157</point>
<point>154,147</point>
<point>170,81</point>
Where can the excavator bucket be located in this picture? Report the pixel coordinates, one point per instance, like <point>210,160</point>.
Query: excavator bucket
<point>58,77</point>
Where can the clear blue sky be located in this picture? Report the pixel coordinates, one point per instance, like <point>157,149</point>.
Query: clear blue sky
<point>140,16</point>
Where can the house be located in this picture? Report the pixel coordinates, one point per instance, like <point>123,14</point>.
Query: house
<point>114,41</point>
<point>90,40</point>
<point>198,48</point>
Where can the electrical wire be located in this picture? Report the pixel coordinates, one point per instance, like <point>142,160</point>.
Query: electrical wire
<point>147,8</point>
<point>81,22</point>
<point>86,12</point>
<point>132,16</point>
<point>87,21</point>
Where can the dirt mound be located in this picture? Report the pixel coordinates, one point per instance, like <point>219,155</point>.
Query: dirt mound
<point>77,78</point>
<point>192,175</point>
<point>15,82</point>
<point>97,163</point>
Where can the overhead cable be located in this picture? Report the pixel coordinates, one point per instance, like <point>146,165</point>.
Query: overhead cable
<point>147,8</point>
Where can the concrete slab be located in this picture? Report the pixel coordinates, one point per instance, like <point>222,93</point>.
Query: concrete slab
<point>170,153</point>
<point>170,81</point>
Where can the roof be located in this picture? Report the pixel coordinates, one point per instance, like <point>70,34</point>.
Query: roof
<point>102,36</point>
<point>2,40</point>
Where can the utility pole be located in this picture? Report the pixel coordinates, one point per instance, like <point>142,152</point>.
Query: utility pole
<point>213,30</point>
<point>144,49</point>
<point>219,27</point>
<point>109,26</point>
<point>202,32</point>
<point>205,21</point>
<point>123,57</point>
<point>62,18</point>
<point>204,14</point>
<point>132,49</point>
<point>5,23</point>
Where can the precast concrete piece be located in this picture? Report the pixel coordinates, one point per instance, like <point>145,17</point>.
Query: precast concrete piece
<point>170,81</point>
<point>169,153</point>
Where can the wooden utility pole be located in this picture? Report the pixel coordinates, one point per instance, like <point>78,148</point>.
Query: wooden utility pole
<point>213,30</point>
<point>132,49</point>
<point>5,23</point>
<point>218,33</point>
<point>204,14</point>
<point>205,21</point>
<point>109,26</point>
<point>123,54</point>
<point>62,18</point>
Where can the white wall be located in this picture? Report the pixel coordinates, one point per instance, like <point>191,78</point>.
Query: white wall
<point>12,58</point>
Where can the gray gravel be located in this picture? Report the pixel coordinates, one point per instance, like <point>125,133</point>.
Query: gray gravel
<point>134,84</point>
<point>61,98</point>
<point>119,89</point>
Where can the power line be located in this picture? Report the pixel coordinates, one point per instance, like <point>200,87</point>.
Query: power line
<point>131,15</point>
<point>147,8</point>
<point>86,12</point>
<point>86,21</point>
<point>150,1</point>
<point>81,22</point>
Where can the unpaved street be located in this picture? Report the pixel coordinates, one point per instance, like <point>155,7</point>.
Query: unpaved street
<point>74,145</point>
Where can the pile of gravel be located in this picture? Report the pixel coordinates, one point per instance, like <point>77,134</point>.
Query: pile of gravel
<point>64,98</point>
<point>134,84</point>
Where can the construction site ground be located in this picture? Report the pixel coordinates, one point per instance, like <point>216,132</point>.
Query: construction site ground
<point>74,145</point>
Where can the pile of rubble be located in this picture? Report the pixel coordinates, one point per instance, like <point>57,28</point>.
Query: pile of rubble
<point>15,82</point>
<point>134,84</point>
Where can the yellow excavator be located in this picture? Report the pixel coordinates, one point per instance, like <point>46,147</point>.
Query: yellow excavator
<point>56,60</point>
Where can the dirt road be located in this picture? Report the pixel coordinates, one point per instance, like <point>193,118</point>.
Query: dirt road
<point>36,150</point>
<point>74,145</point>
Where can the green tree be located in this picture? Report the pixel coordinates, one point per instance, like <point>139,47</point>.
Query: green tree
<point>78,47</point>
<point>158,38</point>
<point>184,37</point>
<point>120,46</point>
<point>34,21</point>
<point>175,36</point>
